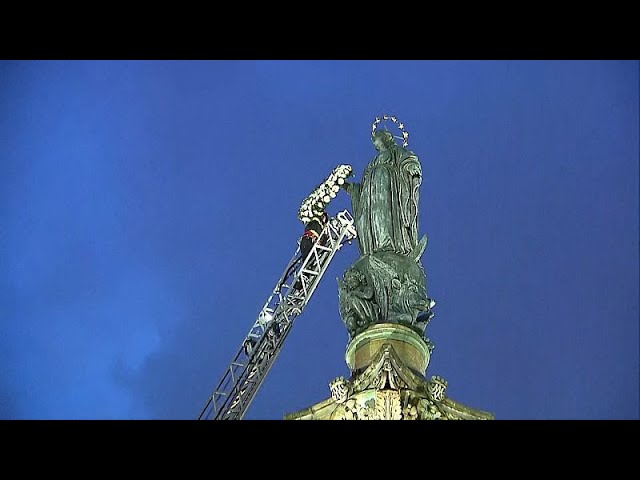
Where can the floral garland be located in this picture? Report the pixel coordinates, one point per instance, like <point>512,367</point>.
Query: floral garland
<point>317,201</point>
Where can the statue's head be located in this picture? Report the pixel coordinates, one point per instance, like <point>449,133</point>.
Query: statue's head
<point>383,140</point>
<point>353,278</point>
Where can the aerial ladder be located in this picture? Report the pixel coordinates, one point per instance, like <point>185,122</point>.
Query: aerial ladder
<point>260,348</point>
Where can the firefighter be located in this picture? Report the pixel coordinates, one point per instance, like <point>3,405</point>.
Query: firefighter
<point>311,235</point>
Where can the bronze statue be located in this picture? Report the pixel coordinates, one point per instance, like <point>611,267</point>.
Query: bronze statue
<point>385,204</point>
<point>387,284</point>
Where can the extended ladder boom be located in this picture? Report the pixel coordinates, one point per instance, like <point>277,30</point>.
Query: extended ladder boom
<point>247,371</point>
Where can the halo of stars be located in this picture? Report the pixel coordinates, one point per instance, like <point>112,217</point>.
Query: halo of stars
<point>394,119</point>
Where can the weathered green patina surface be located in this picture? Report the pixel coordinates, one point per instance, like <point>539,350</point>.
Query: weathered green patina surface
<point>387,284</point>
<point>384,302</point>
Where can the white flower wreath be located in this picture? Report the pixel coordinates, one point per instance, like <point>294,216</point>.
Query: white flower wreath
<point>318,200</point>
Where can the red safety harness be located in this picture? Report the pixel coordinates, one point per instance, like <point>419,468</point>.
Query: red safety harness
<point>312,234</point>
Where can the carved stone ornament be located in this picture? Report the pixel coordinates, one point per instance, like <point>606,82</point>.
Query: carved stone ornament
<point>437,387</point>
<point>378,405</point>
<point>387,376</point>
<point>388,405</point>
<point>410,412</point>
<point>386,372</point>
<point>428,410</point>
<point>340,389</point>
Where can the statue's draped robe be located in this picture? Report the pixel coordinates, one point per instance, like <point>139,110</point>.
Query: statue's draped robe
<point>385,204</point>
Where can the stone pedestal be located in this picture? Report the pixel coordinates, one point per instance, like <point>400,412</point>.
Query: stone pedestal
<point>388,363</point>
<point>412,350</point>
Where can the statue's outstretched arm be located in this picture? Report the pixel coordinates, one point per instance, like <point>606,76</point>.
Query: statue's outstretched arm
<point>352,188</point>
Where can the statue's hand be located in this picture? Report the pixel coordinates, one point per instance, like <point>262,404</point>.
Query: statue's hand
<point>413,169</point>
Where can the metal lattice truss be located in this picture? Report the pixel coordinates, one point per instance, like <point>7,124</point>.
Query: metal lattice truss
<point>261,347</point>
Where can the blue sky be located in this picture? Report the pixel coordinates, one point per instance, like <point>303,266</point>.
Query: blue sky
<point>149,207</point>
